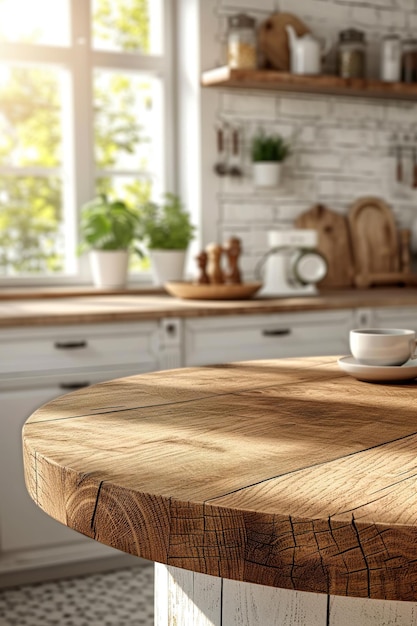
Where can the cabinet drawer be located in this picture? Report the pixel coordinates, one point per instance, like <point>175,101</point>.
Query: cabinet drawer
<point>404,317</point>
<point>217,340</point>
<point>68,348</point>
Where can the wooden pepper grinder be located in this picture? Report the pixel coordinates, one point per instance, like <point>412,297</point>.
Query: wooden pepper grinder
<point>233,249</point>
<point>201,259</point>
<point>214,270</point>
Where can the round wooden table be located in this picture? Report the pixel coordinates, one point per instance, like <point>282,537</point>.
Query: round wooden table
<point>271,492</point>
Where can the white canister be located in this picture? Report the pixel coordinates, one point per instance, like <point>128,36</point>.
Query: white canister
<point>391,58</point>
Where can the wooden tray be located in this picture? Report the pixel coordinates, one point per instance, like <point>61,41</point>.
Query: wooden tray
<point>193,291</point>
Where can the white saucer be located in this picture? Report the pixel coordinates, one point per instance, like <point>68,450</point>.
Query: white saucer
<point>378,373</point>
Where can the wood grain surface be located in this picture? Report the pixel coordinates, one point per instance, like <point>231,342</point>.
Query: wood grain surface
<point>285,473</point>
<point>334,244</point>
<point>322,84</point>
<point>88,310</point>
<point>375,240</point>
<point>225,291</point>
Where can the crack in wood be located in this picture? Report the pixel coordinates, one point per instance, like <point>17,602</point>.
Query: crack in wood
<point>315,465</point>
<point>95,508</point>
<point>158,404</point>
<point>398,482</point>
<point>293,554</point>
<point>363,555</point>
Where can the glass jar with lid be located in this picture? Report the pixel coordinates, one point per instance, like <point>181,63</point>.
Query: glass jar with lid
<point>241,42</point>
<point>351,54</point>
<point>409,61</point>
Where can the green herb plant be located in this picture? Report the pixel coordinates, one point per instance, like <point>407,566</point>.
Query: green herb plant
<point>270,148</point>
<point>165,226</point>
<point>107,225</point>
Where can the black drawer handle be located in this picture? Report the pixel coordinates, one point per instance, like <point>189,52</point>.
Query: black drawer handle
<point>278,332</point>
<point>70,345</point>
<point>74,385</point>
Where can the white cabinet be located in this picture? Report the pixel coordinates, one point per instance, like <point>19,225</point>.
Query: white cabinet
<point>404,317</point>
<point>27,351</point>
<point>23,525</point>
<point>224,339</point>
<point>37,365</point>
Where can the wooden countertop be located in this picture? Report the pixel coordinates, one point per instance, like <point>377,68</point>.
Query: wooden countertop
<point>285,473</point>
<point>127,306</point>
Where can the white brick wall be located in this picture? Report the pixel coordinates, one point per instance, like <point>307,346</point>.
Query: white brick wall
<point>342,148</point>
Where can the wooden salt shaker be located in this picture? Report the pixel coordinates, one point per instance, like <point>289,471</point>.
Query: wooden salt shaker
<point>214,270</point>
<point>233,249</point>
<point>201,259</point>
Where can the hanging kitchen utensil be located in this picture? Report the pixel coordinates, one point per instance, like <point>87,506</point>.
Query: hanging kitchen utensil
<point>399,164</point>
<point>414,168</point>
<point>234,167</point>
<point>220,166</point>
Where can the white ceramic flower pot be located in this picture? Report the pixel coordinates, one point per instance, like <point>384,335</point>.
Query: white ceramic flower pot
<point>267,174</point>
<point>167,265</point>
<point>109,268</point>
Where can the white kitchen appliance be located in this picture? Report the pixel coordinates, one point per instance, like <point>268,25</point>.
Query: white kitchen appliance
<point>292,265</point>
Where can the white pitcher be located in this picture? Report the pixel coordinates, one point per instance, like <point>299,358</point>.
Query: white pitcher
<point>306,52</point>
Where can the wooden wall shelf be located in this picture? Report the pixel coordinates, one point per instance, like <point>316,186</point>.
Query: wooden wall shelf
<point>322,84</point>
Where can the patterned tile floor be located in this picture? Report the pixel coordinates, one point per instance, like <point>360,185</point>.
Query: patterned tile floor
<point>119,598</point>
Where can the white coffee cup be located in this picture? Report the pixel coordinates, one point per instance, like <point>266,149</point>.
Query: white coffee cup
<point>382,346</point>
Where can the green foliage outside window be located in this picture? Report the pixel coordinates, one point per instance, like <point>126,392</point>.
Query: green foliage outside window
<point>31,237</point>
<point>123,24</point>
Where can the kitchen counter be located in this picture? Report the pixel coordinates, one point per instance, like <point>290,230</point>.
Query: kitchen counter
<point>284,474</point>
<point>127,306</point>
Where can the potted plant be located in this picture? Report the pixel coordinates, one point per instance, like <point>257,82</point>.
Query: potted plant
<point>166,230</point>
<point>268,152</point>
<point>108,229</point>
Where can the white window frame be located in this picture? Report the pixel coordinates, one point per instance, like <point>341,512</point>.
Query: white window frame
<point>80,171</point>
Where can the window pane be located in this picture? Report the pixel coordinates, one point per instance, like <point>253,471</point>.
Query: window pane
<point>30,116</point>
<point>134,191</point>
<point>127,25</point>
<point>128,122</point>
<point>35,21</point>
<point>31,226</point>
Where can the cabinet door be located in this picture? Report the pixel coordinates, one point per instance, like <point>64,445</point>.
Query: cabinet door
<point>23,524</point>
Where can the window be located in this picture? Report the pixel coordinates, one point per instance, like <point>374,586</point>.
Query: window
<point>83,110</point>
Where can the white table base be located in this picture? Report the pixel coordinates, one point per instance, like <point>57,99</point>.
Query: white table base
<point>184,598</point>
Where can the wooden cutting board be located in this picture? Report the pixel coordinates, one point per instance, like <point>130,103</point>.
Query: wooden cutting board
<point>333,243</point>
<point>374,241</point>
<point>273,40</point>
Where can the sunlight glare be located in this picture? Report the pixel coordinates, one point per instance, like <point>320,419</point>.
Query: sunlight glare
<point>43,21</point>
<point>4,75</point>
